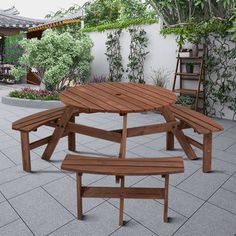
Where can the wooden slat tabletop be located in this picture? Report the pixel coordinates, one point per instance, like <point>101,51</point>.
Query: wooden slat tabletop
<point>117,97</point>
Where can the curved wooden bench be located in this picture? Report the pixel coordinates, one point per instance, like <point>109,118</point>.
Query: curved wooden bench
<point>123,167</point>
<point>32,123</point>
<point>200,124</point>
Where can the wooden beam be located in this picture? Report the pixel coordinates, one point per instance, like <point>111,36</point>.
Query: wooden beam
<point>116,192</point>
<point>149,129</point>
<point>43,141</point>
<point>194,142</point>
<point>94,132</point>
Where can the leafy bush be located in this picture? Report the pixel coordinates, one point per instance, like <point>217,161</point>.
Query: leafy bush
<point>107,11</point>
<point>56,57</point>
<point>34,94</point>
<point>160,77</point>
<point>185,100</point>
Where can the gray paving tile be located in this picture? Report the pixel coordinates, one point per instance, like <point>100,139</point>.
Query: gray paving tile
<point>144,151</point>
<point>150,214</point>
<point>64,191</point>
<point>203,185</point>
<point>8,144</point>
<point>7,214</point>
<point>232,149</point>
<point>100,221</point>
<point>157,144</point>
<point>28,182</point>
<point>2,199</point>
<point>16,228</point>
<point>5,162</point>
<point>189,169</point>
<point>109,181</point>
<point>89,178</point>
<point>41,212</point>
<point>230,184</point>
<point>112,150</point>
<point>224,156</point>
<point>15,172</point>
<point>209,221</point>
<point>222,143</point>
<point>14,153</point>
<point>180,201</point>
<point>230,133</point>
<point>99,144</point>
<point>132,228</point>
<point>224,199</point>
<point>218,165</point>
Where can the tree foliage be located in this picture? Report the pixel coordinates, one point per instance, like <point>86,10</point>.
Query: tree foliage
<point>56,57</point>
<point>181,11</point>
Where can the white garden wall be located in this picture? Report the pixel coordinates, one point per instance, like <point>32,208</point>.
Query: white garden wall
<point>162,52</point>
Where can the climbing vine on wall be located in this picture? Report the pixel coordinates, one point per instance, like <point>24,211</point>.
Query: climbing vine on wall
<point>137,56</point>
<point>114,56</point>
<point>220,85</point>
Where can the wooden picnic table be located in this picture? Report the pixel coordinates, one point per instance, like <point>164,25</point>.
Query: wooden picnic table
<point>120,98</point>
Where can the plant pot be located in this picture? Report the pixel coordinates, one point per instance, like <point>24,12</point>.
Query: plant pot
<point>185,54</point>
<point>189,68</point>
<point>192,106</point>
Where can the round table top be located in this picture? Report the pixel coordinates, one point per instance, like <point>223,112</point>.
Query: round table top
<point>117,97</point>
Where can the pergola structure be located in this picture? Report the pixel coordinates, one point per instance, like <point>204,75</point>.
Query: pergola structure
<point>37,31</point>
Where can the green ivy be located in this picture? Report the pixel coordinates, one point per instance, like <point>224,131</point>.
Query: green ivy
<point>114,56</point>
<point>119,25</point>
<point>137,56</point>
<point>194,32</point>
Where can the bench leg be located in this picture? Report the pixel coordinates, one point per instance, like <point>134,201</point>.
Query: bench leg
<point>121,218</point>
<point>207,152</point>
<point>72,138</point>
<point>165,215</point>
<point>79,196</point>
<point>170,141</point>
<point>58,133</point>
<point>25,148</point>
<point>179,134</point>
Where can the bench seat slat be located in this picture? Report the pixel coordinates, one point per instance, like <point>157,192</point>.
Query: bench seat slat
<point>202,123</point>
<point>109,166</point>
<point>31,122</point>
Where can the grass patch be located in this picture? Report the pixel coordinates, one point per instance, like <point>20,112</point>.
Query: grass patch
<point>34,94</point>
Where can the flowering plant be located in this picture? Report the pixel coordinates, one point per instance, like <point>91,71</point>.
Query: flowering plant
<point>12,49</point>
<point>34,94</point>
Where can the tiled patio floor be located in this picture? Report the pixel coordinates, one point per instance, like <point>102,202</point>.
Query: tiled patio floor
<point>44,202</point>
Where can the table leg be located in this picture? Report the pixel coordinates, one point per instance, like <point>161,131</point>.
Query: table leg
<point>72,138</point>
<point>207,152</point>
<point>58,132</point>
<point>168,115</point>
<point>122,155</point>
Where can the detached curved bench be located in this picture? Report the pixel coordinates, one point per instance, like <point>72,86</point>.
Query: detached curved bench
<point>32,123</point>
<point>122,167</point>
<point>202,125</point>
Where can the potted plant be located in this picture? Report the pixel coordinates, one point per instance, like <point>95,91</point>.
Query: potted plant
<point>189,67</point>
<point>185,52</point>
<point>186,101</point>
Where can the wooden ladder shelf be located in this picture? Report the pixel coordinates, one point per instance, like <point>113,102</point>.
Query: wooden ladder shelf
<point>191,83</point>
